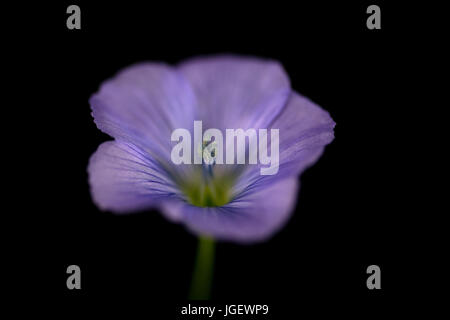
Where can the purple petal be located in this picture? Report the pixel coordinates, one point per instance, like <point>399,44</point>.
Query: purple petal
<point>143,104</point>
<point>123,178</point>
<point>237,92</point>
<point>250,218</point>
<point>305,130</point>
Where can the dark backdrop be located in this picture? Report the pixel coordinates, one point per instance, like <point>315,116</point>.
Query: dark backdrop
<point>349,213</point>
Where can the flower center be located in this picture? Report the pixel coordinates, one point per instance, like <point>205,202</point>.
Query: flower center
<point>214,193</point>
<point>208,188</point>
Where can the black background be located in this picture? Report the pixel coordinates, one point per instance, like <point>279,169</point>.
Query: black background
<point>350,211</point>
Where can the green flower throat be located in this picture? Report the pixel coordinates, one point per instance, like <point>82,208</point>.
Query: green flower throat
<point>208,187</point>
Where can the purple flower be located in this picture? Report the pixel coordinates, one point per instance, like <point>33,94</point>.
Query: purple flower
<point>143,104</point>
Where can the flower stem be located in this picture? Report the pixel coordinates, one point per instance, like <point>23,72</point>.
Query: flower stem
<point>203,270</point>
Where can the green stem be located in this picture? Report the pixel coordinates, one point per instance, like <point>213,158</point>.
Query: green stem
<point>203,270</point>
